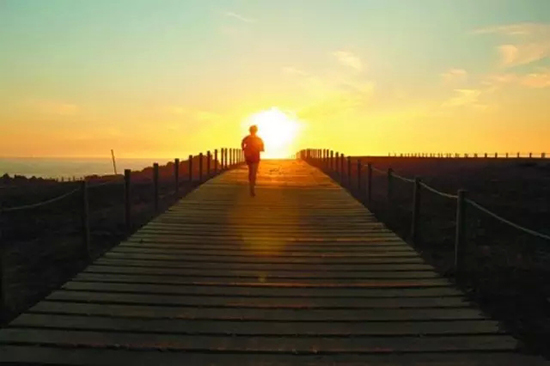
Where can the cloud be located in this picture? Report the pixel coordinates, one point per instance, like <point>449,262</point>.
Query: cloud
<point>293,71</point>
<point>59,108</point>
<point>530,42</point>
<point>454,75</point>
<point>349,59</point>
<point>464,97</point>
<point>348,97</point>
<point>234,15</point>
<point>535,80</point>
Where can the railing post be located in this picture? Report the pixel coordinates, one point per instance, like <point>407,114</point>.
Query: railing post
<point>415,211</point>
<point>215,161</point>
<point>190,167</point>
<point>390,186</point>
<point>349,173</point>
<point>337,164</point>
<point>3,248</point>
<point>359,171</point>
<point>156,186</point>
<point>127,200</point>
<point>201,158</point>
<point>331,161</point>
<point>85,217</point>
<point>460,231</point>
<point>369,183</point>
<point>342,169</point>
<point>208,158</point>
<point>177,175</point>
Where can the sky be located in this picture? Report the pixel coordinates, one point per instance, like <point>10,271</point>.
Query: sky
<point>165,78</point>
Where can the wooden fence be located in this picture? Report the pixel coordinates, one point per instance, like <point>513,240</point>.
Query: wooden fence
<point>209,165</point>
<point>359,180</point>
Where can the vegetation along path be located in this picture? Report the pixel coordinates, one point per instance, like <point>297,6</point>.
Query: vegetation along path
<point>300,274</point>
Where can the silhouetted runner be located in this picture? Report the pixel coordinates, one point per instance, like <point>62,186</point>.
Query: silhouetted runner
<point>252,145</point>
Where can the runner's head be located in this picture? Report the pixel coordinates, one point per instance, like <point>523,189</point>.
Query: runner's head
<point>253,129</point>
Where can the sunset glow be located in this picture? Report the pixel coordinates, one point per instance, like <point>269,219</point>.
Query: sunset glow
<point>278,130</point>
<point>170,78</point>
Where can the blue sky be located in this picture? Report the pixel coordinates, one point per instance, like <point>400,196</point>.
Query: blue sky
<point>77,77</point>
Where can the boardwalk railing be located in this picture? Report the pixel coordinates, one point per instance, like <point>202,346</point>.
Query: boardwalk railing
<point>405,202</point>
<point>104,209</point>
<point>518,155</point>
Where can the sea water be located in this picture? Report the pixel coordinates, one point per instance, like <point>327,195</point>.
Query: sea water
<point>71,167</point>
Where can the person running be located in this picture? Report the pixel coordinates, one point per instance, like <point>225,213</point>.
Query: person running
<point>252,145</point>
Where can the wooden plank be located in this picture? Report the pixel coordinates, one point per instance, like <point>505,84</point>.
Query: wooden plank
<point>267,248</point>
<point>266,292</point>
<point>282,254</point>
<point>367,241</point>
<point>101,356</point>
<point>303,345</point>
<point>255,274</point>
<point>175,280</point>
<point>268,303</point>
<point>266,260</point>
<point>269,315</point>
<point>273,267</point>
<point>237,328</point>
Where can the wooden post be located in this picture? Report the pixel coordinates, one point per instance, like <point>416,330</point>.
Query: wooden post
<point>177,175</point>
<point>190,167</point>
<point>331,161</point>
<point>337,163</point>
<point>341,169</point>
<point>216,161</point>
<point>3,304</point>
<point>369,182</point>
<point>530,155</point>
<point>359,171</point>
<point>349,173</point>
<point>208,158</point>
<point>156,186</point>
<point>414,235</point>
<point>518,155</point>
<point>390,186</point>
<point>127,200</point>
<point>85,218</point>
<point>200,167</point>
<point>460,231</point>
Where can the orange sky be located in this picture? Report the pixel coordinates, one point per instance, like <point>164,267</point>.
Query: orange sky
<point>79,79</point>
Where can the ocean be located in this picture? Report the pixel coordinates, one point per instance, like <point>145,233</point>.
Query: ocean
<point>71,167</point>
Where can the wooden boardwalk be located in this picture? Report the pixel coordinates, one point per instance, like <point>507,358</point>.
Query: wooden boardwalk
<point>302,274</point>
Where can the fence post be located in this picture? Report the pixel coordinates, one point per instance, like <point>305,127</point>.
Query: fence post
<point>390,186</point>
<point>415,210</point>
<point>369,183</point>
<point>359,171</point>
<point>208,158</point>
<point>331,161</point>
<point>190,167</point>
<point>341,169</point>
<point>200,167</point>
<point>177,175</point>
<point>156,186</point>
<point>3,304</point>
<point>127,200</point>
<point>460,231</point>
<point>215,161</point>
<point>349,173</point>
<point>337,163</point>
<point>85,217</point>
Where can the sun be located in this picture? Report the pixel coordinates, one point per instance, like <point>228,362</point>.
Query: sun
<point>278,129</point>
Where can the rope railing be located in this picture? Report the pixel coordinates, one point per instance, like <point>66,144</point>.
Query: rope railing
<point>200,168</point>
<point>408,180</point>
<point>38,204</point>
<point>510,223</point>
<point>333,162</point>
<point>439,193</point>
